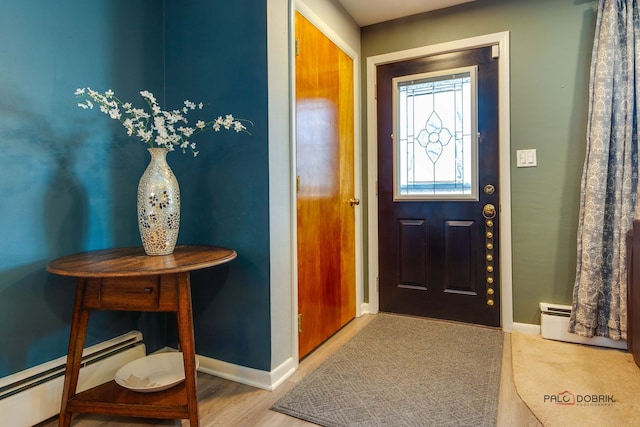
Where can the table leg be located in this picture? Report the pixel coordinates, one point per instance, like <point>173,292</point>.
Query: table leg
<point>79,323</point>
<point>187,346</point>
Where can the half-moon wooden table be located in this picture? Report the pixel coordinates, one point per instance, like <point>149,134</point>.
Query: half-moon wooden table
<point>127,279</point>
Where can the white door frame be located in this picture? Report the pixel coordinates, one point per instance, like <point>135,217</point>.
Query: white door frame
<point>502,40</point>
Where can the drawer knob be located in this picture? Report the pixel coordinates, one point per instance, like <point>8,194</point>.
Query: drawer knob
<point>148,290</point>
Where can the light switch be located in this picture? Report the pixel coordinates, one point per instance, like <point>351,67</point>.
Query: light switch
<point>526,158</point>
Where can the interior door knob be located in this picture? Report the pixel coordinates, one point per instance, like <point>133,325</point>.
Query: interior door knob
<point>354,201</point>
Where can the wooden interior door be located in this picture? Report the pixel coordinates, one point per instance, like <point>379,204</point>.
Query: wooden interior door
<point>325,174</point>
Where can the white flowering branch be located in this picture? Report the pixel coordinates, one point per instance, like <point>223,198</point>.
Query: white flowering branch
<point>159,128</point>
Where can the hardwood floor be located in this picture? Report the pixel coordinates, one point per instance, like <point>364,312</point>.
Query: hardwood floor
<point>230,404</point>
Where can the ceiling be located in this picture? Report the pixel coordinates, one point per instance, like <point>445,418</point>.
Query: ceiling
<point>367,12</point>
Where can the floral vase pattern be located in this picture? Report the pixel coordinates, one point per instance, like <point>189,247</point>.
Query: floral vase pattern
<point>158,205</point>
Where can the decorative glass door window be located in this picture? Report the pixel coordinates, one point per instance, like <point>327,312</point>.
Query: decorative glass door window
<point>435,136</point>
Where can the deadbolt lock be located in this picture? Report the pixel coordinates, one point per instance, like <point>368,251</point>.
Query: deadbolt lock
<point>489,189</point>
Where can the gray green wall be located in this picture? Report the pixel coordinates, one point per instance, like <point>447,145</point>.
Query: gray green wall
<point>551,43</point>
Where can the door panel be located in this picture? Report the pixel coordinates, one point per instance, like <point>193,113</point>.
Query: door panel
<point>460,265</point>
<point>439,257</point>
<point>413,253</point>
<point>325,170</point>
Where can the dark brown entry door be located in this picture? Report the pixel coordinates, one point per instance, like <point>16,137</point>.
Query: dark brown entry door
<point>438,195</point>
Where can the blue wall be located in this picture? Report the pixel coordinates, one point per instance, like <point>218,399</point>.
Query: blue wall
<point>216,52</point>
<point>69,176</point>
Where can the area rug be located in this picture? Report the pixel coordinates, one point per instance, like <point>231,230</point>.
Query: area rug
<point>567,384</point>
<point>404,371</point>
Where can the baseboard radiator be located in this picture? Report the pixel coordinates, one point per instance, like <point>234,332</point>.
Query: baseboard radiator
<point>554,325</point>
<point>34,395</point>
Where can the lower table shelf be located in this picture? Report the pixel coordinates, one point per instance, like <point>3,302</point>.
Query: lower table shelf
<point>110,398</point>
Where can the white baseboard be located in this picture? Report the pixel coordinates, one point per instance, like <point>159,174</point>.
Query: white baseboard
<point>526,328</point>
<point>249,376</point>
<point>35,401</point>
<point>366,308</point>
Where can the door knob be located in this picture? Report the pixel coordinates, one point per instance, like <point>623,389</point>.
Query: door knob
<point>489,211</point>
<point>354,201</point>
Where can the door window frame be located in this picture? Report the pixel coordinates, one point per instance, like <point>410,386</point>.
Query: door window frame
<point>471,116</point>
<point>501,43</point>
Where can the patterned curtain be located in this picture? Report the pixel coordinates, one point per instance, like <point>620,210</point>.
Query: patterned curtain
<point>610,174</point>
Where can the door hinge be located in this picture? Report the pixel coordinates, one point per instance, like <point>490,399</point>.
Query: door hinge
<point>297,184</point>
<point>297,48</point>
<point>495,51</point>
<point>299,322</point>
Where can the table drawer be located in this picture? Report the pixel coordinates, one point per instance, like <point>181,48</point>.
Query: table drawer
<point>115,293</point>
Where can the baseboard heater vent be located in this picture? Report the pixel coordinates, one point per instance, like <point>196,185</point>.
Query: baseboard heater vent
<point>34,395</point>
<point>554,325</point>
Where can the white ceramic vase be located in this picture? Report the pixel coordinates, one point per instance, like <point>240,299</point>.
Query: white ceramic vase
<point>158,205</point>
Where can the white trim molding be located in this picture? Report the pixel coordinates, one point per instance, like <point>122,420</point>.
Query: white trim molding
<point>249,376</point>
<point>283,297</point>
<point>526,328</point>
<point>502,41</point>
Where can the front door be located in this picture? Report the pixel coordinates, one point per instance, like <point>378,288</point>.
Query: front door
<point>325,181</point>
<point>438,186</point>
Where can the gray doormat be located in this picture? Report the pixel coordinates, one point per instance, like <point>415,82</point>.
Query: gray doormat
<point>404,371</point>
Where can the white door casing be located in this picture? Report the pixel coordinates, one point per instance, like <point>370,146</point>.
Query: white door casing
<point>502,41</point>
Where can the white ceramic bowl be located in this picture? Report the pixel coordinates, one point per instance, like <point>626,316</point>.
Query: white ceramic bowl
<point>152,373</point>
